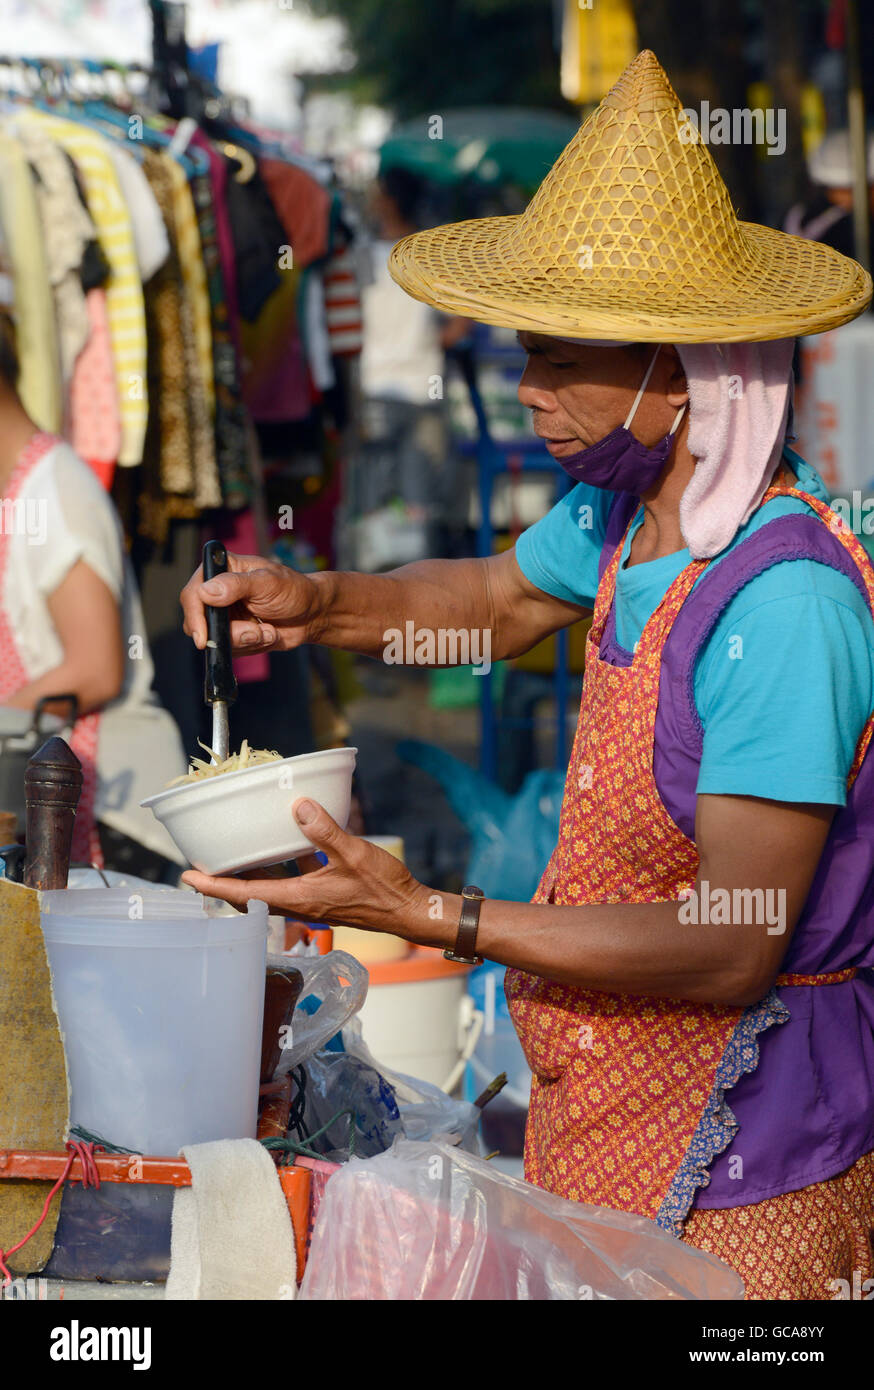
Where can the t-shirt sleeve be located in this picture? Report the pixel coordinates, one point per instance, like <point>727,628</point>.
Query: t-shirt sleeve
<point>81,525</point>
<point>784,690</point>
<point>559,554</point>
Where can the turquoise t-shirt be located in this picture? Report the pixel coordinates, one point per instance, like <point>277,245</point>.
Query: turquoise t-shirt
<point>785,682</point>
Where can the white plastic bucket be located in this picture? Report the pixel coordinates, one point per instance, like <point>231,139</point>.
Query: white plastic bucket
<point>160,1005</point>
<point>419,1019</point>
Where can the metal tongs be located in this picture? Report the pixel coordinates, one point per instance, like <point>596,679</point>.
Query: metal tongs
<point>219,683</point>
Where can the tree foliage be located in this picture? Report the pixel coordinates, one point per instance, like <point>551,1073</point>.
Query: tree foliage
<point>415,55</point>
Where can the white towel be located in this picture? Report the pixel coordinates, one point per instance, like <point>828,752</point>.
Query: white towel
<point>231,1235</point>
<point>740,396</point>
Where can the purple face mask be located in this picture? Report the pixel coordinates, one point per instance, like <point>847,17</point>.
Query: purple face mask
<point>619,461</point>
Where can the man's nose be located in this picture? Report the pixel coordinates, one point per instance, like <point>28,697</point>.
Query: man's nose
<point>532,392</point>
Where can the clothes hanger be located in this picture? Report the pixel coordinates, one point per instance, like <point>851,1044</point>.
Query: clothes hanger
<point>98,112</point>
<point>247,162</point>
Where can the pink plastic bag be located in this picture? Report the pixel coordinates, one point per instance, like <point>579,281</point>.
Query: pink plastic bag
<point>429,1221</point>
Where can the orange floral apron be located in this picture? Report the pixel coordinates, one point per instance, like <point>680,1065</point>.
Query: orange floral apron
<point>627,1104</point>
<point>13,675</point>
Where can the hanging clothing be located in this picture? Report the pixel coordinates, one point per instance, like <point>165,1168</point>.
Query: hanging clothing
<point>39,381</point>
<point>303,207</point>
<point>68,230</point>
<point>306,211</point>
<point>150,235</point>
<point>181,476</point>
<point>316,340</point>
<point>176,292</point>
<point>130,748</point>
<point>169,443</point>
<point>258,235</point>
<point>224,237</point>
<point>95,410</point>
<point>343,311</point>
<point>276,381</point>
<point>124,293</point>
<point>190,254</point>
<point>231,420</point>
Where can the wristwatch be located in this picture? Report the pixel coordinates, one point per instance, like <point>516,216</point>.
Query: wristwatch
<point>468,923</point>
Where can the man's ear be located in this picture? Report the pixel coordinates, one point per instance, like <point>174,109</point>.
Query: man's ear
<point>678,389</point>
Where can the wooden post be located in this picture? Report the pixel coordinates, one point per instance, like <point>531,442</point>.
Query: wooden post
<point>52,783</point>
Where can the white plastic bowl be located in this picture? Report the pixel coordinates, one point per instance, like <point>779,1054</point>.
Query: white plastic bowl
<point>242,820</point>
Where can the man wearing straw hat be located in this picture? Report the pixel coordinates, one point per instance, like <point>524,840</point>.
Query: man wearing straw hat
<point>692,982</point>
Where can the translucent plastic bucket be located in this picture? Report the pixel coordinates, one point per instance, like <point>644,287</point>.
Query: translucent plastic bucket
<point>160,1004</point>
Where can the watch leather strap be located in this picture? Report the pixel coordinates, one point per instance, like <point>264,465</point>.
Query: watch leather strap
<point>468,925</point>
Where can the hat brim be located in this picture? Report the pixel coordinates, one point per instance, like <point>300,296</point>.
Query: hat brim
<point>780,286</point>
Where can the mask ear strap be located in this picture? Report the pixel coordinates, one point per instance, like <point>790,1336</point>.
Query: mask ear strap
<point>678,417</point>
<point>639,395</point>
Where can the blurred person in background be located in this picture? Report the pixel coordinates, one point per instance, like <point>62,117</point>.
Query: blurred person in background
<point>407,447</point>
<point>826,213</point>
<point>71,623</point>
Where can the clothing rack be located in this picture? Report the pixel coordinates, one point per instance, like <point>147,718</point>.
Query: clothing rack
<point>172,85</point>
<point>61,70</point>
<point>165,86</point>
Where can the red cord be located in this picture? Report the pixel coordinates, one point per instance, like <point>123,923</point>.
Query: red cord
<point>90,1178</point>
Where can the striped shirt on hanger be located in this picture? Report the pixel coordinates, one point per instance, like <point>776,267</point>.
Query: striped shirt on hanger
<point>124,291</point>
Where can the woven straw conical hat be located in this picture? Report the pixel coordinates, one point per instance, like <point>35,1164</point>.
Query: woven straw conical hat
<point>632,235</point>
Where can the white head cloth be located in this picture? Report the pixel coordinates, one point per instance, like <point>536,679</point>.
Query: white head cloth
<point>740,400</point>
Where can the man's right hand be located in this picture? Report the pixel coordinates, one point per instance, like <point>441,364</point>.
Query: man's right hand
<point>274,608</point>
<point>271,606</point>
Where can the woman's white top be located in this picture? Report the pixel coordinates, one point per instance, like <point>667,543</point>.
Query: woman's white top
<point>401,357</point>
<point>66,517</point>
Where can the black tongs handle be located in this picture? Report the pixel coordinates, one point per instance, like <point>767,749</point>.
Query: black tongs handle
<point>219,682</point>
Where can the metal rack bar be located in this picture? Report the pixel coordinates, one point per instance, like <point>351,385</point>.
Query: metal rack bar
<point>492,459</point>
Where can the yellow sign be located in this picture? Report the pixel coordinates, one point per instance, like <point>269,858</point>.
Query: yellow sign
<point>761,95</point>
<point>599,40</point>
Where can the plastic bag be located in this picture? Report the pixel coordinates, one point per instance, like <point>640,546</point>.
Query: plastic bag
<point>337,1082</point>
<point>513,836</point>
<point>430,1222</point>
<point>425,1110</point>
<point>334,988</point>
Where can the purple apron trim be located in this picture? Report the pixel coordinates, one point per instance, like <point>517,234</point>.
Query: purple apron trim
<point>718,1125</point>
<point>622,509</point>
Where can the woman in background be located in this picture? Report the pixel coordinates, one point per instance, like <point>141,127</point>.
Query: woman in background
<point>71,623</point>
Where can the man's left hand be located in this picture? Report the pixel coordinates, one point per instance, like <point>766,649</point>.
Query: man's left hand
<point>360,886</point>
